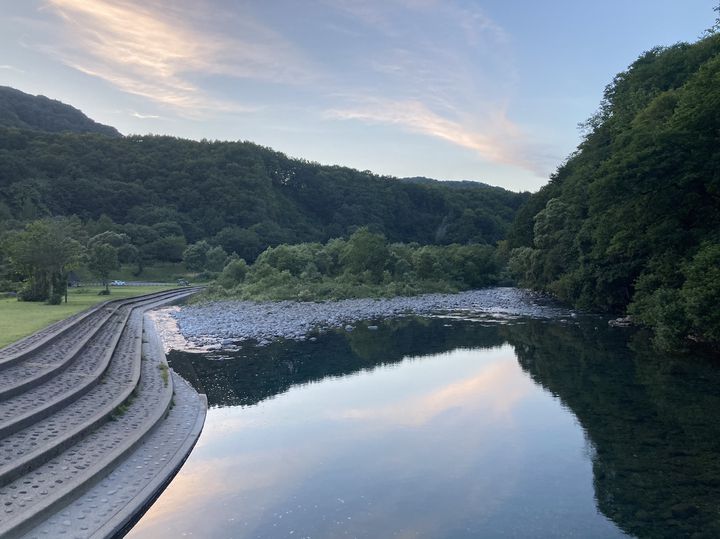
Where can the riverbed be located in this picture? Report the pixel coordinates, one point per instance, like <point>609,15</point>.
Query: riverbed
<point>224,323</point>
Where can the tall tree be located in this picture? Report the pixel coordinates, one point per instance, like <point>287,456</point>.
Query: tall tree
<point>102,259</point>
<point>43,253</point>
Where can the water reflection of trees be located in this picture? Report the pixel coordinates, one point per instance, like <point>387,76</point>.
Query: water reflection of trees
<point>653,422</point>
<point>250,376</point>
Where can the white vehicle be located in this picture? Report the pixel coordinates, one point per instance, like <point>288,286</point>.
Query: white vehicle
<point>117,283</point>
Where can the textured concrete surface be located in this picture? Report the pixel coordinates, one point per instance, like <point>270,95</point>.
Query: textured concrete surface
<point>109,408</point>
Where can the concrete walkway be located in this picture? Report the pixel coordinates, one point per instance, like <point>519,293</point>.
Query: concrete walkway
<point>93,423</point>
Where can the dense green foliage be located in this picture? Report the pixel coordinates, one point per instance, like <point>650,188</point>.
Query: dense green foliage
<point>24,111</point>
<point>38,258</point>
<point>632,219</point>
<point>650,418</point>
<point>149,201</point>
<point>43,253</point>
<point>362,266</point>
<point>166,193</point>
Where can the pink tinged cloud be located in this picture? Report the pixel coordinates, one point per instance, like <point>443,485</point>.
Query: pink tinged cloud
<point>492,393</point>
<point>149,50</point>
<point>500,141</point>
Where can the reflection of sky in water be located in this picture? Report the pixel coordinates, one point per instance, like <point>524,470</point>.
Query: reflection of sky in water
<point>459,444</point>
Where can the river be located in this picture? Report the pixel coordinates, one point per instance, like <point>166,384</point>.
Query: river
<point>450,426</point>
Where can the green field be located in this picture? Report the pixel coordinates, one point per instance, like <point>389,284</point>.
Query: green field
<point>19,318</point>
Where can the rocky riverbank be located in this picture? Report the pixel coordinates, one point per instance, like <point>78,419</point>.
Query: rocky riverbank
<point>227,323</point>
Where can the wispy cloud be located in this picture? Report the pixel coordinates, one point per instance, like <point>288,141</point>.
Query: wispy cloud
<point>446,71</point>
<point>8,67</point>
<point>384,15</point>
<point>151,50</point>
<point>498,140</point>
<point>141,116</point>
<point>443,68</point>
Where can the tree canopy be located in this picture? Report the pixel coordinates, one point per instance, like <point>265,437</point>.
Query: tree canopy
<point>44,251</point>
<point>167,193</point>
<point>365,264</point>
<point>632,220</point>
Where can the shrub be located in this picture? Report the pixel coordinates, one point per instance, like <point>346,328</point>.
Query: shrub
<point>233,274</point>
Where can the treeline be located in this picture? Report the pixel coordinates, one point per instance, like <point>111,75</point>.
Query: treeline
<point>152,201</point>
<point>631,222</point>
<point>364,265</point>
<point>167,193</point>
<point>37,260</point>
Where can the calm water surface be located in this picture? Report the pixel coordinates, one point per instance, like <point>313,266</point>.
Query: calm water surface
<point>450,428</point>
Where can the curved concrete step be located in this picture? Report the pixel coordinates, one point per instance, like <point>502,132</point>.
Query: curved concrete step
<point>33,344</point>
<point>34,366</point>
<point>12,353</point>
<point>42,440</point>
<point>69,444</point>
<point>112,506</point>
<point>38,368</point>
<point>33,497</point>
<point>78,377</point>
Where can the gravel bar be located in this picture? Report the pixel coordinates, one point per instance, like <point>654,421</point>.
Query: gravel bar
<point>224,323</point>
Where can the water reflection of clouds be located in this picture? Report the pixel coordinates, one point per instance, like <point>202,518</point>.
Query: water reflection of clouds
<point>202,496</point>
<point>429,440</point>
<point>493,392</point>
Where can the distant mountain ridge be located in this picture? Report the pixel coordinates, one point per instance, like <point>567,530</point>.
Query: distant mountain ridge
<point>458,184</point>
<point>39,113</point>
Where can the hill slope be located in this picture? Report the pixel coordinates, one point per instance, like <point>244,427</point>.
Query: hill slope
<point>25,111</point>
<point>632,219</point>
<point>165,192</point>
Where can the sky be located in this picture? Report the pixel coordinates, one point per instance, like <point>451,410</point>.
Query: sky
<point>486,90</point>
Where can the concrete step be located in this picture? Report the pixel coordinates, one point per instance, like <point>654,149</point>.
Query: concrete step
<point>35,369</point>
<point>73,406</point>
<point>11,354</point>
<point>38,363</point>
<point>115,504</point>
<point>33,344</point>
<point>44,490</point>
<point>78,377</point>
<point>70,448</point>
<point>36,381</point>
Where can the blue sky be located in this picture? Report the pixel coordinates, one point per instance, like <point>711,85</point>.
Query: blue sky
<point>485,90</point>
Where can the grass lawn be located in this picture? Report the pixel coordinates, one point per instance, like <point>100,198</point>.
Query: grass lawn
<point>159,272</point>
<point>21,318</point>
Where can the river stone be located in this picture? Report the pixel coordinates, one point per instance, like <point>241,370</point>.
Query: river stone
<point>210,323</point>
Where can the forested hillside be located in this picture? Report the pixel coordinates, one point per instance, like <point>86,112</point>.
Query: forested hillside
<point>25,111</point>
<point>239,195</point>
<point>632,220</point>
